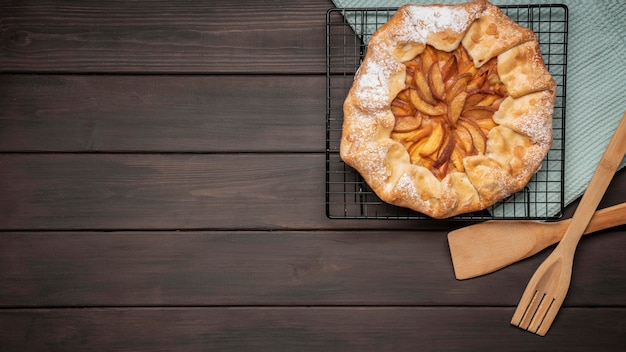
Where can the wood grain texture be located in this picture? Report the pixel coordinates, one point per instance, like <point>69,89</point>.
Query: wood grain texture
<point>169,191</point>
<point>328,268</point>
<point>304,329</point>
<point>162,188</point>
<point>103,113</point>
<point>176,191</point>
<point>131,191</point>
<point>163,36</point>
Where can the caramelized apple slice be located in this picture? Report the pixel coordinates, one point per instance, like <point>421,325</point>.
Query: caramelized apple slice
<point>446,151</point>
<point>464,138</point>
<point>412,136</point>
<point>401,108</point>
<point>449,68</point>
<point>486,124</point>
<point>412,65</point>
<point>435,140</point>
<point>403,95</point>
<point>485,91</point>
<point>435,82</point>
<point>478,112</point>
<point>496,104</point>
<point>425,162</point>
<point>414,153</point>
<point>488,100</point>
<point>458,85</point>
<point>456,107</point>
<point>457,159</point>
<point>479,139</point>
<point>429,57</point>
<point>474,97</point>
<point>464,62</point>
<point>402,104</point>
<point>399,112</point>
<point>443,56</point>
<point>408,123</point>
<point>424,107</point>
<point>481,75</point>
<point>419,80</point>
<point>439,172</point>
<point>477,82</point>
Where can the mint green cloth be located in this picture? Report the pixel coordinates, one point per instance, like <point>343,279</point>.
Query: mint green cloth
<point>596,80</point>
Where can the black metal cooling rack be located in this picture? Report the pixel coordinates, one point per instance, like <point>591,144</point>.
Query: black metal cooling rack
<point>349,197</point>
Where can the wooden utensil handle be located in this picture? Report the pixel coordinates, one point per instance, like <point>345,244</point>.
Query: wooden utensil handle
<point>600,181</point>
<point>607,218</point>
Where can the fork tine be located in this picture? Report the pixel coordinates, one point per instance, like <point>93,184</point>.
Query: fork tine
<point>532,310</point>
<point>548,318</point>
<point>524,307</point>
<point>539,294</point>
<point>519,312</point>
<point>540,315</point>
<point>550,308</point>
<point>544,325</point>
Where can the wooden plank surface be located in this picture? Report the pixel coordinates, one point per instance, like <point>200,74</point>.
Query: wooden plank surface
<point>170,191</point>
<point>329,268</point>
<point>162,187</point>
<point>156,191</point>
<point>159,36</point>
<point>305,329</point>
<point>181,113</point>
<point>176,191</point>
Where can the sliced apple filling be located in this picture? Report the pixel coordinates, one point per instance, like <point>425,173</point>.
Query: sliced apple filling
<point>446,111</point>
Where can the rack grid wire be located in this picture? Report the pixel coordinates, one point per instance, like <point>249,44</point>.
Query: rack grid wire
<point>349,197</point>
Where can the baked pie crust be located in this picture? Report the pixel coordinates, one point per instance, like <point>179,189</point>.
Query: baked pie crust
<point>451,109</point>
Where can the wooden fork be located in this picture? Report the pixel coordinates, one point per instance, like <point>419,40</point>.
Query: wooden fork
<point>548,287</point>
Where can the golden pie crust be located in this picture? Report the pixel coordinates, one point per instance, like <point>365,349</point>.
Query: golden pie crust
<point>515,139</point>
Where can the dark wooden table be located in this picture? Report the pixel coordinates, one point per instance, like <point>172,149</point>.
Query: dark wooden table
<point>162,187</point>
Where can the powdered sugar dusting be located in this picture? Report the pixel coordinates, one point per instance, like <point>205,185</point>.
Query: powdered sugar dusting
<point>529,115</point>
<point>376,164</point>
<point>537,126</point>
<point>372,80</point>
<point>426,20</point>
<point>407,186</point>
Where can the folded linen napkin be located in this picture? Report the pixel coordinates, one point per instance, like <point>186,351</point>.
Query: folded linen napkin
<point>596,83</point>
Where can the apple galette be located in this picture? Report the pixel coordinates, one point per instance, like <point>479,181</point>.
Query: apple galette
<point>451,109</point>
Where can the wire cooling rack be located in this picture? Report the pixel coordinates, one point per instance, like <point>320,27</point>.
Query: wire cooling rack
<point>349,197</point>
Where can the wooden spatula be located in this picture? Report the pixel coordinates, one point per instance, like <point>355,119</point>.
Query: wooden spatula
<point>489,246</point>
